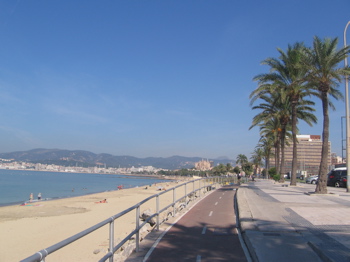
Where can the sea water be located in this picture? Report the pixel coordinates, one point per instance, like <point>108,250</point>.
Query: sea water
<point>17,185</point>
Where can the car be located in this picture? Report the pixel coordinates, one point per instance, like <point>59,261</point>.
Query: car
<point>312,179</point>
<point>337,177</point>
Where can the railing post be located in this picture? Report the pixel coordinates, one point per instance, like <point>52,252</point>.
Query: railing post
<point>111,239</point>
<point>157,206</point>
<point>185,195</point>
<point>174,199</point>
<point>138,228</point>
<point>193,189</point>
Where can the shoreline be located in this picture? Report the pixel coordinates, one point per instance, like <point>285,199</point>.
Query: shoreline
<point>86,194</point>
<point>28,229</point>
<point>16,197</point>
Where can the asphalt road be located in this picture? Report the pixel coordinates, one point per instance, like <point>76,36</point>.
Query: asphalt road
<point>206,233</point>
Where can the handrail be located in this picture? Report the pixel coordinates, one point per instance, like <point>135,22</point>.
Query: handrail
<point>42,254</point>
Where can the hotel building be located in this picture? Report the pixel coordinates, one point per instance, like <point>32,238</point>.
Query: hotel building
<point>309,149</point>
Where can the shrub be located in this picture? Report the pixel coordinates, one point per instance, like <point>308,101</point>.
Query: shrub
<point>272,171</point>
<point>276,177</point>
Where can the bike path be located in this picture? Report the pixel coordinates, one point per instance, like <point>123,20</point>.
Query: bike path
<point>208,232</point>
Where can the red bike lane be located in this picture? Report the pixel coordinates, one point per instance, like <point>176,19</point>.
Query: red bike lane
<point>207,232</point>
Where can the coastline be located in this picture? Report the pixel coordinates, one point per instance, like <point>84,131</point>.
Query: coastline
<point>86,194</point>
<point>28,229</point>
<point>18,184</point>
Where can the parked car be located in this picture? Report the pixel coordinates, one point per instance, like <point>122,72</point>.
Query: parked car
<point>312,179</point>
<point>337,177</point>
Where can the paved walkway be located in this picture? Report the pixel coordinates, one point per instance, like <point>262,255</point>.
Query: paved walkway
<point>284,223</point>
<point>205,233</point>
<point>280,223</point>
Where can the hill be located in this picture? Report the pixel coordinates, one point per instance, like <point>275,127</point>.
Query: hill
<point>86,158</point>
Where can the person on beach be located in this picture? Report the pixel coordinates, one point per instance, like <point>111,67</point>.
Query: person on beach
<point>102,201</point>
<point>31,197</point>
<point>39,196</point>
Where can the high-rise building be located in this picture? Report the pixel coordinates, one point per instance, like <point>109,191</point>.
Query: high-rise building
<point>309,149</point>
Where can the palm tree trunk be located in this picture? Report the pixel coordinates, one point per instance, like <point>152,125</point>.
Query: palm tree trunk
<point>293,179</point>
<point>277,156</point>
<point>321,187</point>
<point>283,136</point>
<point>267,165</point>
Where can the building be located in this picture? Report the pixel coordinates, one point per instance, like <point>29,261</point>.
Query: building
<point>204,165</point>
<point>336,160</point>
<point>308,153</point>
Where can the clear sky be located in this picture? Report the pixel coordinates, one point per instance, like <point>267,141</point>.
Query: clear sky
<point>148,78</point>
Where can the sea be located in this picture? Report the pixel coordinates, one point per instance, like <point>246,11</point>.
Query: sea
<point>17,185</point>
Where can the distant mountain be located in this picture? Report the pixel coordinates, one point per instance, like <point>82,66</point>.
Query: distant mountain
<point>86,158</point>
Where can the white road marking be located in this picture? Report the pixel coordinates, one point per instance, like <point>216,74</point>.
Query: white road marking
<point>219,197</point>
<point>211,212</point>
<point>204,229</point>
<point>216,203</point>
<point>168,228</point>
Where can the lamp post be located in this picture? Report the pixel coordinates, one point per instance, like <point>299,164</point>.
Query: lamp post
<point>347,117</point>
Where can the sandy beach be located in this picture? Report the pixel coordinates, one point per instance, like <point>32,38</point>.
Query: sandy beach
<point>28,229</point>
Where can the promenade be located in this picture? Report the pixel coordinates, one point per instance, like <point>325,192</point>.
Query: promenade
<point>278,222</point>
<point>286,223</point>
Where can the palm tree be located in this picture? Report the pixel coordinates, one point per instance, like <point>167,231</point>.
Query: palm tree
<point>277,107</point>
<point>266,143</point>
<point>288,78</point>
<point>270,130</point>
<point>257,158</point>
<point>322,63</point>
<point>241,160</point>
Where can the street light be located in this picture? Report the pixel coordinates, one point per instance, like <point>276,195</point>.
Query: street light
<point>347,117</point>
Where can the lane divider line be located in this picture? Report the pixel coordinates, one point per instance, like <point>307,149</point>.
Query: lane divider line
<point>211,212</point>
<point>168,228</point>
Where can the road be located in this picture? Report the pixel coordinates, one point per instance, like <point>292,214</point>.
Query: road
<point>205,233</point>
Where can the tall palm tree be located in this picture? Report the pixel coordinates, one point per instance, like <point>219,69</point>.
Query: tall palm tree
<point>322,63</point>
<point>289,79</point>
<point>266,143</point>
<point>257,158</point>
<point>270,130</point>
<point>276,110</point>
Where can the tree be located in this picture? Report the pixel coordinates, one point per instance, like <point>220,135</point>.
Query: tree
<point>275,107</point>
<point>229,168</point>
<point>241,159</point>
<point>221,169</point>
<point>322,64</point>
<point>288,79</point>
<point>247,168</point>
<point>236,170</point>
<point>265,143</point>
<point>256,158</point>
<point>270,130</point>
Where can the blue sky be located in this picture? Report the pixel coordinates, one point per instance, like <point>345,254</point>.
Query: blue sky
<point>148,78</point>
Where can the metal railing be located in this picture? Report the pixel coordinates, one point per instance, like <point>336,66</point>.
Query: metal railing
<point>186,198</point>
